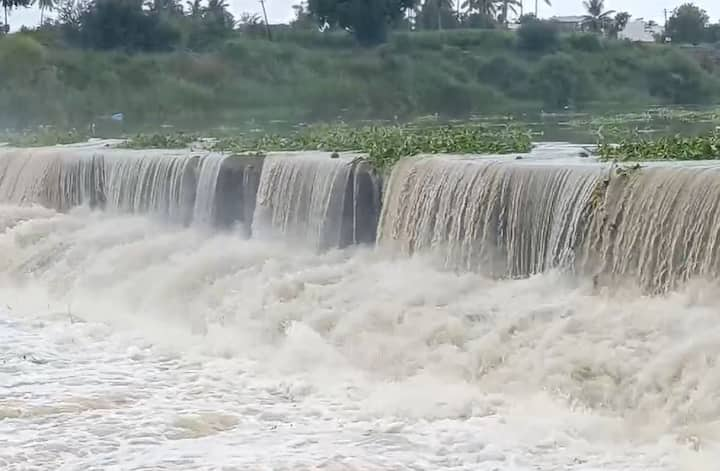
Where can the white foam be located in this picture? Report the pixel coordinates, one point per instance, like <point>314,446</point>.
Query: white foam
<point>128,344</point>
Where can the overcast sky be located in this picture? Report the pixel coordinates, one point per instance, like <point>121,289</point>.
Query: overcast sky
<point>281,10</point>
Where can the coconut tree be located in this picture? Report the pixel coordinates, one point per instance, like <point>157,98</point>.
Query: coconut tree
<point>506,6</point>
<point>194,8</point>
<point>547,2</point>
<point>597,20</point>
<point>442,6</point>
<point>514,6</point>
<point>45,5</point>
<point>8,5</point>
<point>482,7</point>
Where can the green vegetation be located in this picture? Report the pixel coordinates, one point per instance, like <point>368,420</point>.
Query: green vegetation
<point>43,136</point>
<point>159,141</point>
<point>701,147</point>
<point>312,76</point>
<point>385,144</point>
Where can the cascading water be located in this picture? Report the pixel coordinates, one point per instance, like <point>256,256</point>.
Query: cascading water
<point>177,186</point>
<point>504,218</point>
<point>204,211</point>
<point>657,226</point>
<point>303,198</point>
<point>128,341</point>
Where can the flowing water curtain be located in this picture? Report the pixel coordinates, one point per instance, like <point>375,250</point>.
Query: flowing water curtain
<point>501,218</point>
<point>659,227</point>
<point>206,195</point>
<point>301,197</point>
<point>159,183</point>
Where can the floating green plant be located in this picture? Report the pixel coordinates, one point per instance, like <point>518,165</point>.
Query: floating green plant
<point>701,147</point>
<point>159,141</point>
<point>384,145</point>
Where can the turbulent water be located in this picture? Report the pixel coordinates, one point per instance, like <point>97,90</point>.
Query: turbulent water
<point>303,198</point>
<point>132,340</point>
<point>508,219</point>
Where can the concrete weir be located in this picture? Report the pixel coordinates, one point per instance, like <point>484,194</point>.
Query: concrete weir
<point>655,225</point>
<point>237,185</point>
<point>317,198</point>
<point>325,201</point>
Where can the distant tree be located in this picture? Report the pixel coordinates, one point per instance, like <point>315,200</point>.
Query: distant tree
<point>168,7</point>
<point>303,18</point>
<point>124,24</point>
<point>597,20</point>
<point>68,18</point>
<point>195,8</point>
<point>437,15</point>
<point>251,23</point>
<point>507,6</point>
<point>367,20</point>
<point>537,35</point>
<point>45,5</point>
<point>10,4</point>
<point>479,20</point>
<point>208,24</point>
<point>687,24</point>
<point>217,18</point>
<point>527,18</point>
<point>712,33</point>
<point>618,24</point>
<point>482,7</point>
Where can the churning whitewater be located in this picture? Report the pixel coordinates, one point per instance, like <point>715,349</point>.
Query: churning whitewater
<point>189,311</point>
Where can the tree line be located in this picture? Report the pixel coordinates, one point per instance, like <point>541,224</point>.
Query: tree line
<point>156,25</point>
<point>134,25</point>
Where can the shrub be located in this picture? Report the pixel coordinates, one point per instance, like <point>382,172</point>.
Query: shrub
<point>505,73</point>
<point>586,42</point>
<point>561,81</point>
<point>679,80</point>
<point>20,57</point>
<point>537,36</point>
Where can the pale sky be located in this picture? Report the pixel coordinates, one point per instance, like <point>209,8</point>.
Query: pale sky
<point>281,10</point>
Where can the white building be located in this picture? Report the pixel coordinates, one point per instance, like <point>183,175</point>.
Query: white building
<point>639,30</point>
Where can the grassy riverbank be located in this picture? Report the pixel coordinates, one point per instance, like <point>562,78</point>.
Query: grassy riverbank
<point>307,76</point>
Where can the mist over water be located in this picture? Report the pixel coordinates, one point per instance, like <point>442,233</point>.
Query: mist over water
<point>130,341</point>
<point>201,350</point>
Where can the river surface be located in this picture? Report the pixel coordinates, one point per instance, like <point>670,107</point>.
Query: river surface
<point>126,344</point>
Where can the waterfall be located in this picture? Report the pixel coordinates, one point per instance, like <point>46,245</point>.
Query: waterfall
<point>139,183</point>
<point>503,218</point>
<point>658,226</point>
<point>204,210</point>
<point>302,198</point>
<point>177,186</point>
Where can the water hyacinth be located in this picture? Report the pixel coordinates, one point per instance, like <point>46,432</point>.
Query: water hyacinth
<point>159,141</point>
<point>702,147</point>
<point>386,144</point>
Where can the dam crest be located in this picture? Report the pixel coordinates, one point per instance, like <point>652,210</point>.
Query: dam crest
<point>507,217</point>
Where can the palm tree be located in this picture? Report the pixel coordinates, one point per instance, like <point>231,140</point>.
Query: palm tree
<point>45,5</point>
<point>10,4</point>
<point>596,20</point>
<point>442,5</point>
<point>194,8</point>
<point>547,2</point>
<point>506,5</point>
<point>482,7</point>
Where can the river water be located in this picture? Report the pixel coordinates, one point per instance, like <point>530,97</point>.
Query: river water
<point>127,344</point>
